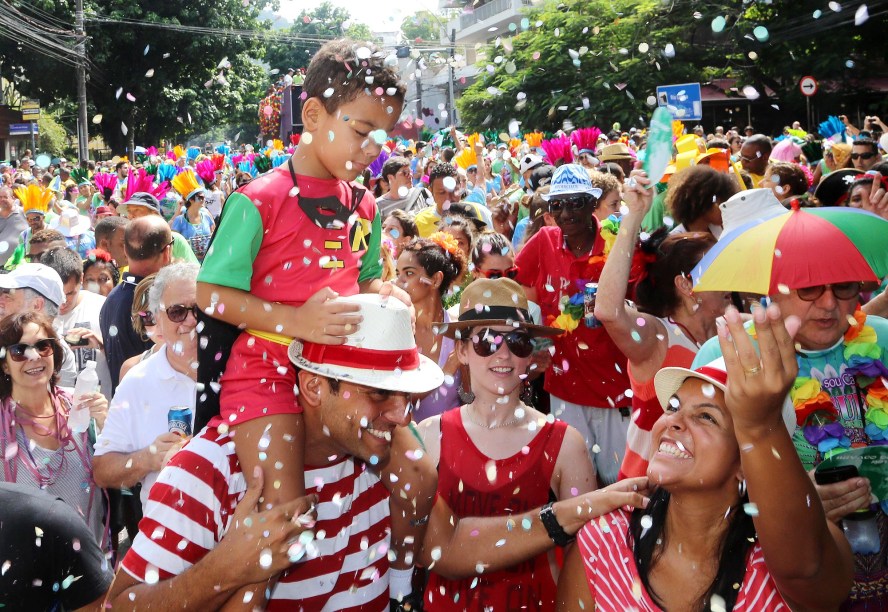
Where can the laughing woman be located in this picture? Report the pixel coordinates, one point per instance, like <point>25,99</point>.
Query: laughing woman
<point>39,448</point>
<point>735,523</point>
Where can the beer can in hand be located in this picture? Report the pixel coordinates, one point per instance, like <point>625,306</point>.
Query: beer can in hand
<point>179,420</point>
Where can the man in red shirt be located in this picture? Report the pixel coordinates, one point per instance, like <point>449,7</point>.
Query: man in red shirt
<point>587,378</point>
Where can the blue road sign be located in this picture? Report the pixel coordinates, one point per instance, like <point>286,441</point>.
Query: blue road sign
<point>22,129</point>
<point>684,101</point>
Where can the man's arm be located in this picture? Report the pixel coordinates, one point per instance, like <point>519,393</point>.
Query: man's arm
<point>210,582</point>
<point>122,470</point>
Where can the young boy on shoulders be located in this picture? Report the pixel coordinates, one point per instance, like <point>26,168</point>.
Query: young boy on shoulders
<point>288,243</point>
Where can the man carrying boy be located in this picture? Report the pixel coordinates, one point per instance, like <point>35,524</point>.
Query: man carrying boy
<point>288,243</point>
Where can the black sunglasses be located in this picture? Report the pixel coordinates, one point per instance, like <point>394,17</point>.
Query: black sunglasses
<point>574,204</point>
<point>487,341</point>
<point>147,317</point>
<point>179,312</point>
<point>44,348</point>
<point>841,291</point>
<point>868,155</point>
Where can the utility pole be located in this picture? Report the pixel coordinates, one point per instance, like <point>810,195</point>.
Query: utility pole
<point>82,125</point>
<point>451,115</point>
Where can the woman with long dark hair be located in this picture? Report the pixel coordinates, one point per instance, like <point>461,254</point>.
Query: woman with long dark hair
<point>39,448</point>
<point>734,522</point>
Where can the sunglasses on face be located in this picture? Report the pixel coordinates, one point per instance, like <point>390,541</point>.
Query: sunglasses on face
<point>179,312</point>
<point>486,342</point>
<point>748,159</point>
<point>868,155</point>
<point>494,274</point>
<point>147,318</point>
<point>574,204</point>
<point>44,348</point>
<point>841,291</point>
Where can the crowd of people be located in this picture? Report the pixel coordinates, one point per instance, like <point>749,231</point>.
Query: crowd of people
<point>466,373</point>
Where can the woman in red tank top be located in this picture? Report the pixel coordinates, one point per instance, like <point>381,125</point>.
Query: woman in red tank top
<point>498,457</point>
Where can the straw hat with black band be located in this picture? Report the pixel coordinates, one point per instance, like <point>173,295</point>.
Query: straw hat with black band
<point>499,301</point>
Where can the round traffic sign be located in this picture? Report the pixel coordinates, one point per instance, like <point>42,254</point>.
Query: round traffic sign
<point>808,86</point>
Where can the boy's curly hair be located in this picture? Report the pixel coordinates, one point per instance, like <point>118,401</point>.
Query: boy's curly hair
<point>337,66</point>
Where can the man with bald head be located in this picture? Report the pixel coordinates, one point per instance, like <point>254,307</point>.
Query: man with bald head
<point>12,224</point>
<point>147,242</point>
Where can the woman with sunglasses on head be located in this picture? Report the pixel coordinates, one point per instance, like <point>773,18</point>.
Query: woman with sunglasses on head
<point>195,223</point>
<point>426,269</point>
<point>496,456</point>
<point>734,522</point>
<point>144,324</point>
<point>669,321</point>
<point>559,268</point>
<point>39,448</point>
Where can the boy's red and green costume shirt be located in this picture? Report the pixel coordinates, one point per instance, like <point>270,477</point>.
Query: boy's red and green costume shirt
<point>279,248</point>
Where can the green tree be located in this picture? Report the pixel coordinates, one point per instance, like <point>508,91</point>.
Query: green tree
<point>53,139</point>
<point>146,51</point>
<point>313,27</point>
<point>598,61</point>
<point>423,26</point>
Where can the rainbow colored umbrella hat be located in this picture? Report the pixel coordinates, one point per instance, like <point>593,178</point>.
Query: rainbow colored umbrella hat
<point>796,248</point>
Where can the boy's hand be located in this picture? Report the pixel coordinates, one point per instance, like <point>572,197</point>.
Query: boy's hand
<point>324,321</point>
<point>392,290</point>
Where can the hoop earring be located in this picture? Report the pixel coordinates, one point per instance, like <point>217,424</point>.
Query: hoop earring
<point>741,488</point>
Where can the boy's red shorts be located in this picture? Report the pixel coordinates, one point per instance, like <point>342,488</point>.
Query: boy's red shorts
<point>259,381</point>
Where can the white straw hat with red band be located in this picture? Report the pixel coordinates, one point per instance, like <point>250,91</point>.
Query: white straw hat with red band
<point>381,354</point>
<point>669,380</point>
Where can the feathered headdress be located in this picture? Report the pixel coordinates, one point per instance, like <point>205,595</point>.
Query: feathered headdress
<point>206,171</point>
<point>138,180</point>
<point>166,172</point>
<point>34,199</point>
<point>224,149</point>
<point>279,160</point>
<point>558,150</point>
<point>193,152</point>
<point>376,167</point>
<point>832,129</point>
<point>186,184</point>
<point>80,176</point>
<point>263,164</point>
<point>466,158</point>
<point>586,139</point>
<point>105,183</point>
<point>218,161</point>
<point>151,151</point>
<point>248,167</point>
<point>533,139</point>
<point>177,153</point>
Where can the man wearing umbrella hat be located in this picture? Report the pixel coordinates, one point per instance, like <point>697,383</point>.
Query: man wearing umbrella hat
<point>814,267</point>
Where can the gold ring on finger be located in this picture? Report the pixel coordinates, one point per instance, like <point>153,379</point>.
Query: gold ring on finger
<point>753,370</point>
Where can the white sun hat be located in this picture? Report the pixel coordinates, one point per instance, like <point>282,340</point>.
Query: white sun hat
<point>381,354</point>
<point>669,380</point>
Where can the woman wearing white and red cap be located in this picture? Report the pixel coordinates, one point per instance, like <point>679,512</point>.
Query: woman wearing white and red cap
<point>734,523</point>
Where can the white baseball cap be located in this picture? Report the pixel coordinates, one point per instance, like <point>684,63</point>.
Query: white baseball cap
<point>42,279</point>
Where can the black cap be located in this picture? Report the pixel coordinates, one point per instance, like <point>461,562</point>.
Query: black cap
<point>835,185</point>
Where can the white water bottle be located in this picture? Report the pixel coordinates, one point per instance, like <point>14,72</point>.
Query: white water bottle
<point>87,382</point>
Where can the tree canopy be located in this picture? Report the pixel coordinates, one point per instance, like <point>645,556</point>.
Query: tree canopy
<point>422,26</point>
<point>314,27</point>
<point>587,61</point>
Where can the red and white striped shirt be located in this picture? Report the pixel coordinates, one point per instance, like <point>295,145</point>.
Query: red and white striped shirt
<point>189,510</point>
<point>615,583</point>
